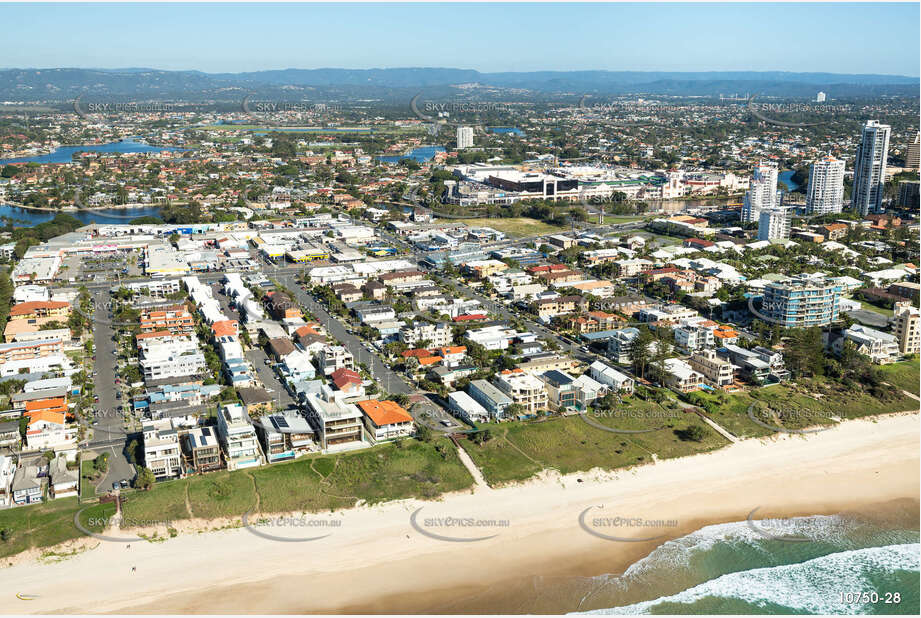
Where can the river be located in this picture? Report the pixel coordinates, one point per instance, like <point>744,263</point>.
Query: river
<point>64,154</point>
<point>25,217</point>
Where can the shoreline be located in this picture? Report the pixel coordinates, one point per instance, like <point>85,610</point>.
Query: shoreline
<point>75,209</point>
<point>376,562</point>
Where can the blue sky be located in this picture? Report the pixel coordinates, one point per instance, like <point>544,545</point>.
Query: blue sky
<point>488,37</point>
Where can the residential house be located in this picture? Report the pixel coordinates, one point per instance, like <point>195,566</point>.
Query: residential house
<point>201,449</point>
<point>256,400</point>
<point>495,401</point>
<point>63,482</point>
<point>750,365</point>
<point>27,486</point>
<point>285,435</point>
<point>282,307</point>
<point>466,408</point>
<point>386,420</point>
<point>613,379</point>
<point>681,377</point>
<point>881,348</point>
<point>49,431</point>
<point>348,382</point>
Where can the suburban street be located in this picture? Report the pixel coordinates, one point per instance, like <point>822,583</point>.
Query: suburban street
<point>388,379</point>
<point>269,378</point>
<point>108,428</point>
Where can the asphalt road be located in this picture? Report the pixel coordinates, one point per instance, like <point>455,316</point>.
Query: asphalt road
<point>108,429</point>
<point>388,379</point>
<point>269,379</point>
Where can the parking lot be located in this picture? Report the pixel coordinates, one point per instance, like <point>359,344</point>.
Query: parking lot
<point>109,267</point>
<point>426,411</point>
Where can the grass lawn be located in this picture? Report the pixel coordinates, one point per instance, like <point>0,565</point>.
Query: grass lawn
<point>87,479</point>
<point>807,403</point>
<point>311,484</point>
<point>520,226</point>
<point>412,470</point>
<point>731,413</point>
<point>519,450</point>
<point>819,399</point>
<point>45,524</point>
<point>222,494</point>
<point>165,501</point>
<point>621,218</point>
<point>904,375</point>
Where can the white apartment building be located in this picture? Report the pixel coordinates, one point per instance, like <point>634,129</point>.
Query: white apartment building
<point>464,137</point>
<point>774,223</point>
<point>492,337</point>
<point>334,357</point>
<point>825,193</point>
<point>437,335</point>
<point>907,328</point>
<point>171,358</point>
<point>870,167</point>
<point>762,192</point>
<point>156,288</point>
<point>692,337</point>
<point>523,388</point>
<point>715,370</point>
<point>238,438</point>
<point>162,453</point>
<point>339,425</point>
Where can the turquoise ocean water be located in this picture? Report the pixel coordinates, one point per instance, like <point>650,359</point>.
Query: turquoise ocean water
<point>843,565</point>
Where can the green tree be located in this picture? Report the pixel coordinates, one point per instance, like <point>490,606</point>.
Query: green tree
<point>145,478</point>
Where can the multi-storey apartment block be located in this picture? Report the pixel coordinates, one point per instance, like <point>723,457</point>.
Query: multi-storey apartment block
<point>798,304</point>
<point>162,453</point>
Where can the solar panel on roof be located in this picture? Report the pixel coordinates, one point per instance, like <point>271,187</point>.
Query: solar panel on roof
<point>280,422</point>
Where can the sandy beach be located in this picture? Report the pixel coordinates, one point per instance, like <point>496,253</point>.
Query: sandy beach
<point>376,561</point>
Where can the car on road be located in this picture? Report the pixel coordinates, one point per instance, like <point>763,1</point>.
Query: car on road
<point>447,423</point>
<point>123,483</point>
<point>115,485</point>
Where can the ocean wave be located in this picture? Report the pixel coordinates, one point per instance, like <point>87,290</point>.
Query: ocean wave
<point>720,549</point>
<point>813,586</point>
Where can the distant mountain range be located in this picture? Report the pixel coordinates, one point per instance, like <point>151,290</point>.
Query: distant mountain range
<point>49,85</point>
